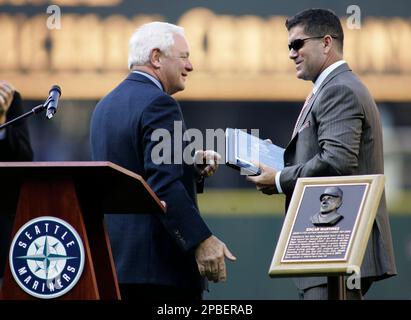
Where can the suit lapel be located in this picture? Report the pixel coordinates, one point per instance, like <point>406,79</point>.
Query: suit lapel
<point>305,113</point>
<point>342,68</point>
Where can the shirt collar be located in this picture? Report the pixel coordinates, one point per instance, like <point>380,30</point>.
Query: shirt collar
<point>325,73</point>
<point>149,76</point>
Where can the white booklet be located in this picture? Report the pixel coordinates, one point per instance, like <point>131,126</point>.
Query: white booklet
<point>242,149</point>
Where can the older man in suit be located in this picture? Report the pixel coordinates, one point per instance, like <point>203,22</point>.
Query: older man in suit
<point>164,256</point>
<point>338,132</point>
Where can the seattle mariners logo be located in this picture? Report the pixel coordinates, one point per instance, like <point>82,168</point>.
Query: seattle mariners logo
<point>46,257</point>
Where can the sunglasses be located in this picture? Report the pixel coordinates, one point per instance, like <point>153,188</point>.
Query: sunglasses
<point>297,44</point>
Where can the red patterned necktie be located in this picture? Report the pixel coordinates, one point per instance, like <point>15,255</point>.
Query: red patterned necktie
<point>297,124</point>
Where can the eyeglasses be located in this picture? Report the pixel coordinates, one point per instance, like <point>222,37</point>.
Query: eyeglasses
<point>297,44</point>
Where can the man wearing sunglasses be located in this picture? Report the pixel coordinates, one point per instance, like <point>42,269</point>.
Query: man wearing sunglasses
<point>338,132</point>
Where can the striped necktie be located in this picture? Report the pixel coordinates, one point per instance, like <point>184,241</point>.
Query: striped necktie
<point>297,124</point>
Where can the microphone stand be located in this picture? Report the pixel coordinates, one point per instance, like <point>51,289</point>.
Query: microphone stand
<point>35,110</point>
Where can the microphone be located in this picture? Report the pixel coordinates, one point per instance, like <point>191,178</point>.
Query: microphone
<point>52,101</point>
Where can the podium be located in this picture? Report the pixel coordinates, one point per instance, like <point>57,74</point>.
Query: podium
<point>77,193</point>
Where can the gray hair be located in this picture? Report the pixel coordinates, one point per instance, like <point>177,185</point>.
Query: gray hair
<point>153,35</point>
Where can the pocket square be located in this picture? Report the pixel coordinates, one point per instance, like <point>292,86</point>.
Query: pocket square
<point>304,126</point>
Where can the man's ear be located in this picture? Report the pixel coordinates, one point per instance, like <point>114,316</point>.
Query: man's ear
<point>328,43</point>
<point>155,58</point>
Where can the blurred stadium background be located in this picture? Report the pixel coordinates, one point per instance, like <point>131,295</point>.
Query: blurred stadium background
<point>243,78</point>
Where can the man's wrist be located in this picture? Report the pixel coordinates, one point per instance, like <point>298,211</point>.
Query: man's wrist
<point>277,182</point>
<point>200,178</point>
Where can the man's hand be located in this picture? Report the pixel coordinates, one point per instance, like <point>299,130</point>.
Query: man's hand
<point>206,162</point>
<point>210,256</point>
<point>6,97</point>
<point>265,181</point>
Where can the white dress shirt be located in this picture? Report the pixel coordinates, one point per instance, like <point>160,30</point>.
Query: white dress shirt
<point>149,76</point>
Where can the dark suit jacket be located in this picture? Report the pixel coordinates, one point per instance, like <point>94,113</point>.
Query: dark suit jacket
<point>15,147</point>
<point>148,248</point>
<point>341,134</point>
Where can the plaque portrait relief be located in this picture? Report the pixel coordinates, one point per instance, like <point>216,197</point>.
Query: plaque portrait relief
<point>330,202</point>
<point>325,236</point>
<point>327,225</point>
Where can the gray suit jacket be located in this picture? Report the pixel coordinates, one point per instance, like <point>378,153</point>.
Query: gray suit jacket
<point>341,134</point>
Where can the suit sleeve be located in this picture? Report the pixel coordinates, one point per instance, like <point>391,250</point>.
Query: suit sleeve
<point>16,145</point>
<point>339,117</point>
<point>182,220</point>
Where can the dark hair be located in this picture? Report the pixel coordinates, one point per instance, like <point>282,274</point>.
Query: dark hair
<point>318,22</point>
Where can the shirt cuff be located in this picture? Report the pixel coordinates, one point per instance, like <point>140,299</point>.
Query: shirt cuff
<point>277,182</point>
<point>2,134</point>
